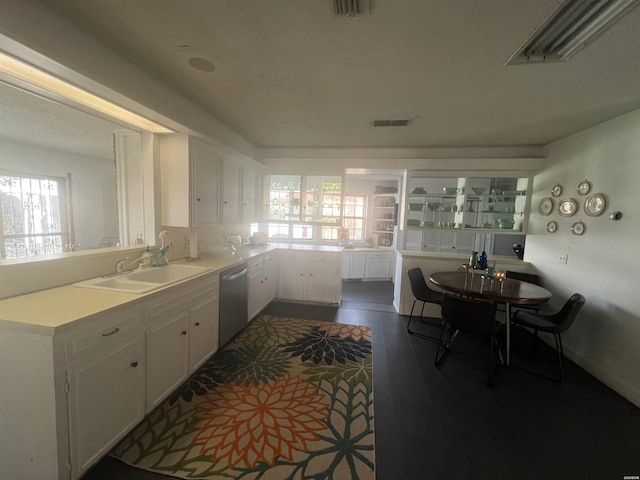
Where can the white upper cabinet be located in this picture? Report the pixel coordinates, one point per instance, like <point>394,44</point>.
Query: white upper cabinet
<point>190,172</point>
<point>231,189</point>
<point>249,195</point>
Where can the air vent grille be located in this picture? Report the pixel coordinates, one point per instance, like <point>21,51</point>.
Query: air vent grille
<point>569,28</point>
<point>349,8</point>
<point>392,123</point>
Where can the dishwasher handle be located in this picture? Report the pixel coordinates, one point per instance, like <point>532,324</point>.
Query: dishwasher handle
<point>233,276</point>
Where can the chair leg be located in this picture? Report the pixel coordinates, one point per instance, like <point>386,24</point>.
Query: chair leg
<point>411,315</point>
<point>438,359</point>
<point>413,332</point>
<point>493,364</point>
<point>560,354</point>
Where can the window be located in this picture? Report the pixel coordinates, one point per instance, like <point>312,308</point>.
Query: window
<point>303,207</point>
<point>355,207</point>
<point>34,220</point>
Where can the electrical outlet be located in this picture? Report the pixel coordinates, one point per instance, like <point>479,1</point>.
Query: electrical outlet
<point>563,258</point>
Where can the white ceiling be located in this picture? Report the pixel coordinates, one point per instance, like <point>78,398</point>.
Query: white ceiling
<point>291,75</point>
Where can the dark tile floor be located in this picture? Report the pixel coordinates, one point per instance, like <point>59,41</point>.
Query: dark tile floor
<point>445,423</point>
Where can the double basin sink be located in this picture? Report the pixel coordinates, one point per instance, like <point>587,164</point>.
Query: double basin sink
<point>143,281</point>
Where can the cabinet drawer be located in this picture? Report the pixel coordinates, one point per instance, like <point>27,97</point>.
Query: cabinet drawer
<point>171,301</point>
<point>108,330</point>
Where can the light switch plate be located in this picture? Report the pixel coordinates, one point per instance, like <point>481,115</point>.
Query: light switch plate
<point>563,258</point>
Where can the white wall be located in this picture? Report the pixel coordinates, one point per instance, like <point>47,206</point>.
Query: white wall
<point>602,263</point>
<point>95,203</point>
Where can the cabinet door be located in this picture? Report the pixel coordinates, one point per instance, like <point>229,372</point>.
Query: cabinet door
<point>321,281</point>
<point>167,357</point>
<point>356,266</point>
<point>205,176</point>
<point>249,195</point>
<point>291,278</point>
<point>203,331</point>
<point>378,265</point>
<point>270,280</point>
<point>231,175</point>
<point>255,289</point>
<point>106,400</point>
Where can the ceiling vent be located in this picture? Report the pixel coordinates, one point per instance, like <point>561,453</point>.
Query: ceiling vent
<point>392,123</point>
<point>349,8</point>
<point>569,28</point>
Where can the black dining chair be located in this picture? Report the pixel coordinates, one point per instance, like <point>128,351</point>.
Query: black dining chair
<point>525,277</point>
<point>422,293</point>
<point>555,324</point>
<point>465,314</point>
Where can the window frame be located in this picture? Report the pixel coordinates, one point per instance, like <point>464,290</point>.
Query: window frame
<point>38,238</point>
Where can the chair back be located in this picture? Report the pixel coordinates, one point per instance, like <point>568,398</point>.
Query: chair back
<point>525,277</point>
<point>420,289</point>
<point>567,314</point>
<point>469,315</point>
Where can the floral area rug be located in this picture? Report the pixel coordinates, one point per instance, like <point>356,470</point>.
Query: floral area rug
<point>287,399</point>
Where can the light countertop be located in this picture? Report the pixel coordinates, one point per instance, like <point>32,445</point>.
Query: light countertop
<point>50,311</point>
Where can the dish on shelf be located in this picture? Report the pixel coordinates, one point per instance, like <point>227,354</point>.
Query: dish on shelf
<point>416,206</point>
<point>450,208</point>
<point>577,228</point>
<point>510,193</point>
<point>419,191</point>
<point>552,227</point>
<point>451,190</point>
<point>433,206</point>
<point>556,191</point>
<point>546,206</point>
<point>505,223</point>
<point>584,187</point>
<point>413,223</point>
<point>487,225</point>
<point>427,224</point>
<point>567,207</point>
<point>478,190</point>
<point>595,204</point>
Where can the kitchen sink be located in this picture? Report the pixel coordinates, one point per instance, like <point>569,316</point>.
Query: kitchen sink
<point>142,281</point>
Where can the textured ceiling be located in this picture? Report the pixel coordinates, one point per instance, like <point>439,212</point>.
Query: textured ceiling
<point>291,75</point>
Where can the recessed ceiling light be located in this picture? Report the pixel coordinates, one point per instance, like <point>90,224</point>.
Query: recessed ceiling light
<point>197,60</point>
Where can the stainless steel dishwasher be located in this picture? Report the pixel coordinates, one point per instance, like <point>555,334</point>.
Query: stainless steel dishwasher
<point>233,302</point>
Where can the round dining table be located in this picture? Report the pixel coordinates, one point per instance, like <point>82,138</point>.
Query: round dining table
<point>509,291</point>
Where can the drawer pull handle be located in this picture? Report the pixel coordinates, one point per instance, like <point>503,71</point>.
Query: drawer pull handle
<point>112,332</point>
<point>183,332</point>
<point>134,364</point>
<point>197,324</point>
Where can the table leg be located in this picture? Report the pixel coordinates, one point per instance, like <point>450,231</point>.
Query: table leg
<point>507,310</point>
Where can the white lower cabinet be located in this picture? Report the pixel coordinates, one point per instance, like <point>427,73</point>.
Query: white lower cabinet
<point>105,393</point>
<point>263,275</point>
<point>167,357</point>
<point>379,265</point>
<point>353,265</point>
<point>309,276</point>
<point>182,332</point>
<point>69,396</point>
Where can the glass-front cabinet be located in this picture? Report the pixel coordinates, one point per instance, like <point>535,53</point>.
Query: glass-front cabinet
<point>449,213</point>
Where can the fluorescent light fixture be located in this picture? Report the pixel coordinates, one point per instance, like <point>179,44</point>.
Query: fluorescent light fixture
<point>18,69</point>
<point>570,27</point>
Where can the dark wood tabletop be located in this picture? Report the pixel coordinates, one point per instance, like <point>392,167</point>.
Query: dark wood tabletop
<point>514,292</point>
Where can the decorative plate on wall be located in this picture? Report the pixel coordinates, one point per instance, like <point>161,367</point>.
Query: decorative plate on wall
<point>552,227</point>
<point>578,228</point>
<point>595,204</point>
<point>556,191</point>
<point>546,206</point>
<point>584,187</point>
<point>567,207</point>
